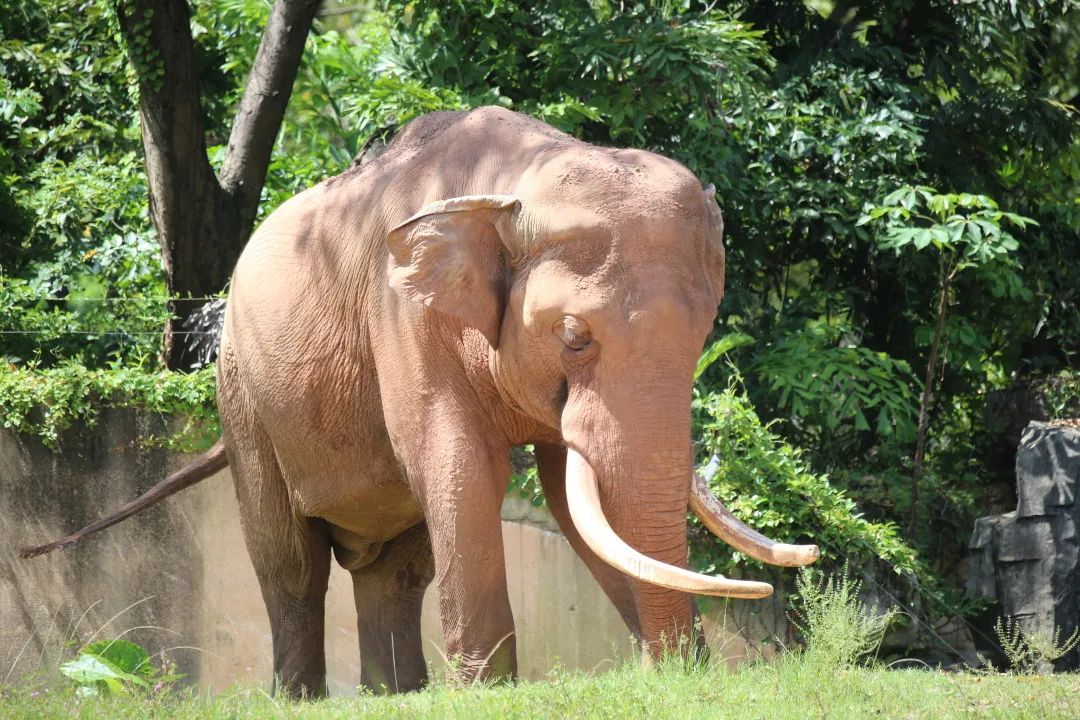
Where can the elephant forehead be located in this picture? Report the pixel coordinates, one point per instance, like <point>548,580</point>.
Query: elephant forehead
<point>594,232</point>
<point>612,179</point>
<point>643,297</point>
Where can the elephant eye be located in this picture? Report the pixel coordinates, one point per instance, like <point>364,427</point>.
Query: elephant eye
<point>573,332</point>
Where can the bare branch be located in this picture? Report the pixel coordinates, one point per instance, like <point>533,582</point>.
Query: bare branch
<point>263,105</point>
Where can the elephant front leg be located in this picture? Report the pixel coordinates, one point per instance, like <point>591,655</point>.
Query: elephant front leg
<point>462,500</point>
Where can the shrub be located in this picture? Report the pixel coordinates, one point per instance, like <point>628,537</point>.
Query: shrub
<point>839,630</point>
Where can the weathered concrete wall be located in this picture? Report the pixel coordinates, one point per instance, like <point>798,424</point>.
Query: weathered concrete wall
<point>1028,560</point>
<point>178,575</point>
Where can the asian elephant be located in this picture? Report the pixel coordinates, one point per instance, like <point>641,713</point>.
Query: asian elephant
<point>392,332</point>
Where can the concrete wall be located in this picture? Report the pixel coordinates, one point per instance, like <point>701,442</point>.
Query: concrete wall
<point>177,577</point>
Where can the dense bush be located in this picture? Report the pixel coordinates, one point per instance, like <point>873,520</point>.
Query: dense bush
<point>768,483</point>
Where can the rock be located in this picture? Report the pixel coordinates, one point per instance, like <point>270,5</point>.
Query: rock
<point>1028,560</point>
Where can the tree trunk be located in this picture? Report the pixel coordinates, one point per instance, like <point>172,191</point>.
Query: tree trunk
<point>946,275</point>
<point>202,222</point>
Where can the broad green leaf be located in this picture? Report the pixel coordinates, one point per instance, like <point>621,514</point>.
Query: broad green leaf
<point>86,669</point>
<point>722,345</point>
<point>90,670</point>
<point>860,421</point>
<point>124,654</point>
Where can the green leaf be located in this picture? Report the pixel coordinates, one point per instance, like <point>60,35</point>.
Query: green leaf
<point>123,654</point>
<point>860,421</point>
<point>723,345</point>
<point>88,669</point>
<point>122,663</point>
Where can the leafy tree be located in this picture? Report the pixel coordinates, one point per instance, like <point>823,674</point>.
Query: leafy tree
<point>967,231</point>
<point>79,269</point>
<point>203,218</point>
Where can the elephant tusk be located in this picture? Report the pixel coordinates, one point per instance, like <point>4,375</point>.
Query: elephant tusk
<point>735,533</point>
<point>583,499</point>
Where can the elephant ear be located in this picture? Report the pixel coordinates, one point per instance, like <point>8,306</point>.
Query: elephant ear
<point>450,256</point>
<point>714,244</point>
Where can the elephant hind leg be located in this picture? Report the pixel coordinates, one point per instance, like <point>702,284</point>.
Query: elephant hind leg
<point>389,595</point>
<point>290,552</point>
<point>294,591</point>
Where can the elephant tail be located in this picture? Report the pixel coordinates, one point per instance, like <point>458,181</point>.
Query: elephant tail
<point>201,468</point>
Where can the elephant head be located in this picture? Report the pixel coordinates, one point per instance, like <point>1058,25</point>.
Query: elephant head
<point>595,280</point>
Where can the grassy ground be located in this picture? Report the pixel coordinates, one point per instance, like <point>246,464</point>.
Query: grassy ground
<point>791,688</point>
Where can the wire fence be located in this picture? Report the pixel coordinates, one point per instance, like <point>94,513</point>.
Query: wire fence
<point>51,333</point>
<point>144,298</point>
<point>925,594</point>
<point>56,332</point>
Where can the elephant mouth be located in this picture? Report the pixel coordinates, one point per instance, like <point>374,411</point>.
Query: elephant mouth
<point>583,498</point>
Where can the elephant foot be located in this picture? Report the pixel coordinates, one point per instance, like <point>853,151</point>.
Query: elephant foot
<point>498,665</point>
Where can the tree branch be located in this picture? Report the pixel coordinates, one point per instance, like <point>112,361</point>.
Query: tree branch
<point>263,105</point>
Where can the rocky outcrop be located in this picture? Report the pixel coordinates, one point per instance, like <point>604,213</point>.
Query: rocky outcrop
<point>1028,560</point>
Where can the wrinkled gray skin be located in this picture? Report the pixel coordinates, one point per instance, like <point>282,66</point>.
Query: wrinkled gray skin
<point>374,373</point>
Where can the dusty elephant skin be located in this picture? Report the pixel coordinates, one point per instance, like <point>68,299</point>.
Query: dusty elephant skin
<point>391,333</point>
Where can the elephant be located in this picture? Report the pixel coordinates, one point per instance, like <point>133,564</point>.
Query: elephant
<point>391,333</point>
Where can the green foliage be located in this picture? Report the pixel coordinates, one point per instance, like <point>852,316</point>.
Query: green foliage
<point>837,627</point>
<point>43,402</point>
<point>652,75</point>
<point>73,170</point>
<point>1030,653</point>
<point>114,667</point>
<point>524,478</point>
<point>1062,394</point>
<point>720,347</point>
<point>768,484</point>
<point>971,227</point>
<point>835,390</point>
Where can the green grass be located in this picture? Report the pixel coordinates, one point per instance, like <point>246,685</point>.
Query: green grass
<point>792,687</point>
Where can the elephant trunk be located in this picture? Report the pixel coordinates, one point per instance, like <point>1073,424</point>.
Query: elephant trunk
<point>628,466</point>
<point>629,482</point>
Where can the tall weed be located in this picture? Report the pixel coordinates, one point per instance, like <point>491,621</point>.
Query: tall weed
<point>838,629</point>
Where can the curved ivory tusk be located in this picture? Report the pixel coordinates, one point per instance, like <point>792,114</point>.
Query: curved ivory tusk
<point>583,498</point>
<point>735,533</point>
